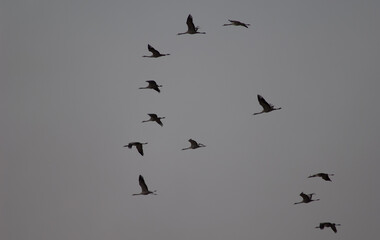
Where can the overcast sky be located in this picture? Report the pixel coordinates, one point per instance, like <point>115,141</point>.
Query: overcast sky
<point>70,73</point>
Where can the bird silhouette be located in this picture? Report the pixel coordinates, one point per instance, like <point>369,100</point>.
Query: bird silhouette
<point>191,29</point>
<point>154,118</point>
<point>144,188</point>
<point>236,23</point>
<point>138,145</point>
<point>328,224</point>
<point>194,145</point>
<point>155,53</point>
<point>324,176</point>
<point>152,85</point>
<point>306,198</point>
<point>267,107</point>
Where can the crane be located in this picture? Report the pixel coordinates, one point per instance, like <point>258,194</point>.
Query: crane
<point>152,85</point>
<point>324,176</point>
<point>155,53</point>
<point>322,225</point>
<point>267,107</point>
<point>306,198</point>
<point>191,29</point>
<point>236,23</point>
<point>154,118</point>
<point>194,145</point>
<point>138,145</point>
<point>144,188</point>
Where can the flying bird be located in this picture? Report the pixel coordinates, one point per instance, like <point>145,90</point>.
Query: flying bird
<point>138,145</point>
<point>191,29</point>
<point>154,118</point>
<point>324,176</point>
<point>306,198</point>
<point>155,53</point>
<point>144,188</point>
<point>194,145</point>
<point>152,85</point>
<point>267,107</point>
<point>236,23</point>
<point>328,224</point>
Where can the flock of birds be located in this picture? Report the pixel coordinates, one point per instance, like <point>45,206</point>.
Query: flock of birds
<point>267,107</point>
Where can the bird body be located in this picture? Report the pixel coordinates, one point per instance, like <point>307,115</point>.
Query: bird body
<point>328,224</point>
<point>267,107</point>
<point>152,85</point>
<point>236,23</point>
<point>306,198</point>
<point>154,118</point>
<point>194,145</point>
<point>155,53</point>
<point>191,28</point>
<point>144,188</point>
<point>138,145</point>
<point>324,176</point>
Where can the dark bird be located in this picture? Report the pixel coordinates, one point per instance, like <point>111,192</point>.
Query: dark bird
<point>194,145</point>
<point>155,53</point>
<point>152,85</point>
<point>191,29</point>
<point>236,23</point>
<point>306,198</point>
<point>328,224</point>
<point>138,145</point>
<point>154,118</point>
<point>324,176</point>
<point>267,107</point>
<point>144,188</point>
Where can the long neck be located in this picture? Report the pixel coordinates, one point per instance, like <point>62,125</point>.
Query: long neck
<point>258,113</point>
<point>182,33</point>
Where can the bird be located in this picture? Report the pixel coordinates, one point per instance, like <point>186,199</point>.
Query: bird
<point>138,145</point>
<point>154,118</point>
<point>144,188</point>
<point>191,29</point>
<point>194,145</point>
<point>152,85</point>
<point>155,53</point>
<point>236,23</point>
<point>267,107</point>
<point>324,176</point>
<point>328,224</point>
<point>306,198</point>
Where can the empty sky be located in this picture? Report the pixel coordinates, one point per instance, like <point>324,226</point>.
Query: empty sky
<point>69,101</point>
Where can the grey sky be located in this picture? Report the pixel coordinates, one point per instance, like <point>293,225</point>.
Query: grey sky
<point>69,102</point>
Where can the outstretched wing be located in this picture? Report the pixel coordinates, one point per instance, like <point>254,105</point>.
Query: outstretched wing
<point>322,225</point>
<point>152,50</point>
<point>305,197</point>
<point>193,143</point>
<point>190,23</point>
<point>151,82</point>
<point>325,177</point>
<point>264,103</point>
<point>153,115</point>
<point>333,228</point>
<point>159,122</point>
<point>144,187</point>
<point>139,148</point>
